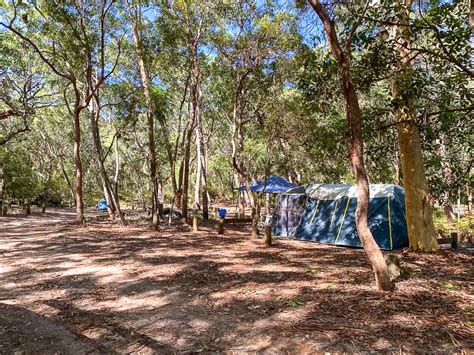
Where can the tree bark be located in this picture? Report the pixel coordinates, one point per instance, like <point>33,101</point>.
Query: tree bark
<point>469,197</point>
<point>150,121</point>
<point>201,171</point>
<point>237,146</point>
<point>116,176</point>
<point>111,197</point>
<point>78,166</point>
<point>3,203</point>
<point>421,231</point>
<point>197,182</point>
<point>185,171</point>
<point>356,151</point>
<point>68,181</point>
<point>203,168</point>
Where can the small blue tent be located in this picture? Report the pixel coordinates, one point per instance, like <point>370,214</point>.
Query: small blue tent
<point>272,185</point>
<point>329,216</point>
<point>102,205</point>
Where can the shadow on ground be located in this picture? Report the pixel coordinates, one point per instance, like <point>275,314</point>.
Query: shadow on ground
<point>127,289</point>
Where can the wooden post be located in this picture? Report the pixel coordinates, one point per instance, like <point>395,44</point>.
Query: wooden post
<point>4,208</point>
<point>28,206</point>
<point>195,221</point>
<point>220,225</point>
<point>268,234</point>
<point>454,240</point>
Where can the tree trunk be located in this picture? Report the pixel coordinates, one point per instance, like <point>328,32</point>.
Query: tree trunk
<point>197,182</point>
<point>2,192</point>
<point>421,231</point>
<point>237,144</point>
<point>117,170</point>
<point>469,197</point>
<point>150,122</point>
<point>185,166</point>
<point>356,151</point>
<point>114,190</point>
<point>179,192</point>
<point>68,181</point>
<point>78,166</point>
<point>98,157</point>
<point>254,223</point>
<point>169,152</point>
<point>203,160</point>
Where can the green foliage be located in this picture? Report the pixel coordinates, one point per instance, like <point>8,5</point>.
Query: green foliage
<point>19,178</point>
<point>463,226</point>
<point>264,63</point>
<point>293,302</point>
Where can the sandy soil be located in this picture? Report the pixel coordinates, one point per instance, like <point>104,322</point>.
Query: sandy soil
<point>102,288</point>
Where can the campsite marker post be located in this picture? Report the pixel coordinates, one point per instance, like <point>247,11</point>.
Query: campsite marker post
<point>221,222</point>
<point>28,206</point>
<point>268,234</point>
<point>195,220</point>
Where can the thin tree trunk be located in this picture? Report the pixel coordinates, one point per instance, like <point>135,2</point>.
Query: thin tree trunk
<point>68,181</point>
<point>116,179</point>
<point>169,151</point>
<point>188,133</point>
<point>112,199</point>
<point>356,151</point>
<point>110,209</point>
<point>78,166</point>
<point>3,203</point>
<point>98,158</point>
<point>197,182</point>
<point>469,197</point>
<point>150,121</point>
<point>237,146</point>
<point>396,167</point>
<point>421,231</point>
<point>203,168</point>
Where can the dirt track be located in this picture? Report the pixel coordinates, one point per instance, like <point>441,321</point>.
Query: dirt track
<point>104,288</point>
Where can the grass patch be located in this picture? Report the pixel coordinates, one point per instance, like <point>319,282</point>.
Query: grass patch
<point>293,302</point>
<point>449,286</point>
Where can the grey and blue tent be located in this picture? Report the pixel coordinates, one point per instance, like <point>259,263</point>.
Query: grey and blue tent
<point>289,211</point>
<point>329,216</point>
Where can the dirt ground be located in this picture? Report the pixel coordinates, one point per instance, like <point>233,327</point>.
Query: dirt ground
<point>104,288</point>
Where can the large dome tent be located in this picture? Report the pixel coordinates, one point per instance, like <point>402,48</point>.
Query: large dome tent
<point>329,215</point>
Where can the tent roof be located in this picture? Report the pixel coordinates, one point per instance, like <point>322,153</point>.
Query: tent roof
<point>297,190</point>
<point>336,191</point>
<point>273,185</point>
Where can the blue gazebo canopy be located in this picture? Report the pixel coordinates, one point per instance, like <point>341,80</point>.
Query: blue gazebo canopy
<point>272,185</point>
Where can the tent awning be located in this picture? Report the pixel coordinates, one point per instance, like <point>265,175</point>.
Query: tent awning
<point>272,185</point>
